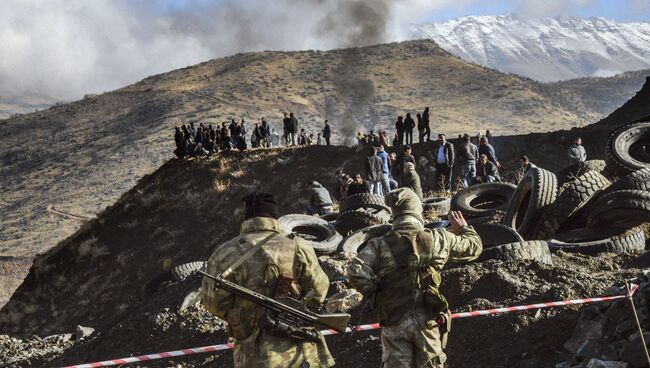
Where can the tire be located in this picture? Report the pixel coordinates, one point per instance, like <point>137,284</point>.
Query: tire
<point>437,224</point>
<point>351,221</point>
<point>330,217</point>
<point>318,233</point>
<point>536,190</point>
<point>363,200</point>
<point>637,180</point>
<point>628,147</point>
<point>594,241</point>
<point>573,172</point>
<point>354,242</point>
<point>569,203</point>
<point>185,270</point>
<point>497,234</point>
<point>532,250</point>
<point>482,199</point>
<point>621,208</point>
<point>440,205</point>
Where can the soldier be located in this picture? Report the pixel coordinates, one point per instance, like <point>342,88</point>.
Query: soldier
<point>283,266</point>
<point>403,269</point>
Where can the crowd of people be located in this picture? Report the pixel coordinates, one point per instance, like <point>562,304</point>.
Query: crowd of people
<point>476,158</point>
<point>202,140</point>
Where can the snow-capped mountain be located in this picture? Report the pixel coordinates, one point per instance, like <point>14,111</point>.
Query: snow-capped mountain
<point>547,49</point>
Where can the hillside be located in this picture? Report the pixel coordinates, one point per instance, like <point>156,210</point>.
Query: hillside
<point>544,49</point>
<point>67,163</point>
<point>112,275</point>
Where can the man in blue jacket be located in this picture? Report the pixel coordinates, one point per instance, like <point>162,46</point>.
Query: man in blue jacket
<point>385,170</point>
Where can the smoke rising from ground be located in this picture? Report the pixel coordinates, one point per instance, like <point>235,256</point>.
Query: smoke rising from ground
<point>67,48</point>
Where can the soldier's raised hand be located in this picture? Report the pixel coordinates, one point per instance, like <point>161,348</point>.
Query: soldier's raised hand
<point>457,221</point>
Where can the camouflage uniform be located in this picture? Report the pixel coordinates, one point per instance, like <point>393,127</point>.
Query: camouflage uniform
<point>281,258</point>
<point>403,269</point>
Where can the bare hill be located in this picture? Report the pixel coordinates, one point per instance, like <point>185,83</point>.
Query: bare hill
<point>70,161</point>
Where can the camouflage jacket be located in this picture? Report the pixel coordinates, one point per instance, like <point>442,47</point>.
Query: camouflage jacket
<point>283,265</point>
<point>384,266</point>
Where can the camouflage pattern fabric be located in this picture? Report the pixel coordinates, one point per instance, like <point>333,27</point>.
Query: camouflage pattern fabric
<point>411,344</point>
<point>384,268</point>
<point>281,258</point>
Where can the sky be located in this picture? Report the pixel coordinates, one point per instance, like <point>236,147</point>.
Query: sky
<point>63,49</point>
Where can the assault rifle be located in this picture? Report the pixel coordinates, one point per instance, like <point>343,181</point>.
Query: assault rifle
<point>293,320</point>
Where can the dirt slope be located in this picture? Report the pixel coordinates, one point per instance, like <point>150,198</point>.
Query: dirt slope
<point>80,157</point>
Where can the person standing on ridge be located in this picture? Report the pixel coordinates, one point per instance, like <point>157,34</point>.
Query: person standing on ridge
<point>409,124</point>
<point>425,124</point>
<point>286,123</point>
<point>327,133</point>
<point>402,270</point>
<point>400,127</point>
<point>294,128</point>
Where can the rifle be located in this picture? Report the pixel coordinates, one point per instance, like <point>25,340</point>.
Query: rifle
<point>291,320</point>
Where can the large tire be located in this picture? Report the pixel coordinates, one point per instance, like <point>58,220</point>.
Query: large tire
<point>532,250</point>
<point>354,242</point>
<point>439,205</point>
<point>185,270</point>
<point>318,233</point>
<point>364,200</point>
<point>575,171</point>
<point>536,190</point>
<point>482,199</point>
<point>628,147</point>
<point>351,221</point>
<point>569,203</point>
<point>637,180</point>
<point>497,234</point>
<point>621,208</point>
<point>594,241</point>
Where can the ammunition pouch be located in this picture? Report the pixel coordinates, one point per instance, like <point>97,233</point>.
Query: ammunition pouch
<point>237,324</point>
<point>277,327</point>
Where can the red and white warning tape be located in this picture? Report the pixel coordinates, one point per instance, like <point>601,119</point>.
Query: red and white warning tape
<point>374,326</point>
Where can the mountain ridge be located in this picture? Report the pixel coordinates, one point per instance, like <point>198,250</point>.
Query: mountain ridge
<point>544,49</point>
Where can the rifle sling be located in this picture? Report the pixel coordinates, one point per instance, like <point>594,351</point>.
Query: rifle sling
<point>247,255</point>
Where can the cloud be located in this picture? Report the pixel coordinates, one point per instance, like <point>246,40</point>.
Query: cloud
<point>67,48</point>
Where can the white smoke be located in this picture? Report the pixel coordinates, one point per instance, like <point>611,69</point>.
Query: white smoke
<point>67,48</point>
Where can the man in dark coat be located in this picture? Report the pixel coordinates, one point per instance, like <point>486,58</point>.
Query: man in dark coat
<point>286,124</point>
<point>327,133</point>
<point>294,128</point>
<point>357,186</point>
<point>374,166</point>
<point>400,127</point>
<point>409,124</point>
<point>485,148</point>
<point>178,138</point>
<point>486,171</point>
<point>405,157</point>
<point>320,200</point>
<point>425,125</point>
<point>443,153</point>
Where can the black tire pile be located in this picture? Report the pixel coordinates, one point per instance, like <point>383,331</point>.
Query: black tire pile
<point>578,210</point>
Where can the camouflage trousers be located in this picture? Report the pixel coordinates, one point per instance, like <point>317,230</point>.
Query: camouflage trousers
<point>410,344</point>
<point>263,350</point>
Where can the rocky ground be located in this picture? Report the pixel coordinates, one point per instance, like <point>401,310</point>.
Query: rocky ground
<point>525,339</point>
